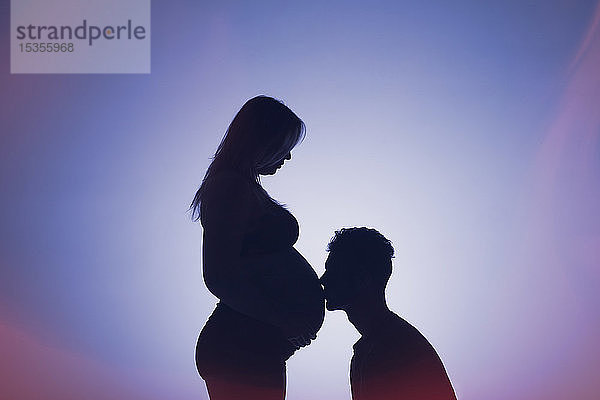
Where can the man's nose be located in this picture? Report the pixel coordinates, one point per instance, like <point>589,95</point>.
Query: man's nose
<point>289,156</point>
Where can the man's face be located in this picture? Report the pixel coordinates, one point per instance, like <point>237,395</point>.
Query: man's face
<point>338,283</point>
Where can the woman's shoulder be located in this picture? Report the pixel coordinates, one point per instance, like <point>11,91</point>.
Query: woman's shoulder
<point>229,176</point>
<point>227,182</point>
<point>228,196</point>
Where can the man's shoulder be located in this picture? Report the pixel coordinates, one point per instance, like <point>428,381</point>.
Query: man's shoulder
<point>399,342</point>
<point>400,360</point>
<point>400,332</point>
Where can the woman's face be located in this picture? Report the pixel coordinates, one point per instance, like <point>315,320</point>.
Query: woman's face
<point>270,170</point>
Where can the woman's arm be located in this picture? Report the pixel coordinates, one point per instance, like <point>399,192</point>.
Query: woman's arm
<point>227,208</point>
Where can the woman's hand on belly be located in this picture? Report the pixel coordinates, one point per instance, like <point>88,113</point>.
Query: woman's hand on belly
<point>297,330</point>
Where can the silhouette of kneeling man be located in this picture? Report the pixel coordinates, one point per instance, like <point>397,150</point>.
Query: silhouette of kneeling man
<point>392,359</point>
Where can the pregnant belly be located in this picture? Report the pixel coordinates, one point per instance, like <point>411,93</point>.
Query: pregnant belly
<point>287,278</point>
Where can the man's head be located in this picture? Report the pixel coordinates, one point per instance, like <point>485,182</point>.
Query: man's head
<point>358,267</point>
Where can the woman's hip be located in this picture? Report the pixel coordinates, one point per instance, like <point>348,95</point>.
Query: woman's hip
<point>220,352</point>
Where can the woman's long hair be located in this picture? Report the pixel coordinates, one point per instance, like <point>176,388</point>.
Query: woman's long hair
<point>260,135</point>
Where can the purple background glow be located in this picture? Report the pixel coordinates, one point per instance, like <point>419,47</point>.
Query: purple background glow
<point>467,133</point>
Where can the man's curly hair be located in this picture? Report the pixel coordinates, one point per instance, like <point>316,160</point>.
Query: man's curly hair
<point>367,248</point>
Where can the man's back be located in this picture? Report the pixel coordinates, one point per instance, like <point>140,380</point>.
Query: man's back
<point>397,362</point>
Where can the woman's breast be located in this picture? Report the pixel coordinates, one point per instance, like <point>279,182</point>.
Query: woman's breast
<point>271,231</point>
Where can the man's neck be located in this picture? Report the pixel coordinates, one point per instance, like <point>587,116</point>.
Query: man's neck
<point>368,317</point>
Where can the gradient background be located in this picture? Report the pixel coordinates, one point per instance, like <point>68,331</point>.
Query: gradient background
<point>466,131</point>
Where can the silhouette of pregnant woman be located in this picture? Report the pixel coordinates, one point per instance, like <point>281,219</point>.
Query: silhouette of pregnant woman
<point>271,301</point>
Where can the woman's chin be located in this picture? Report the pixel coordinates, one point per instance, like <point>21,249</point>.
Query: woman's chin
<point>270,171</point>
